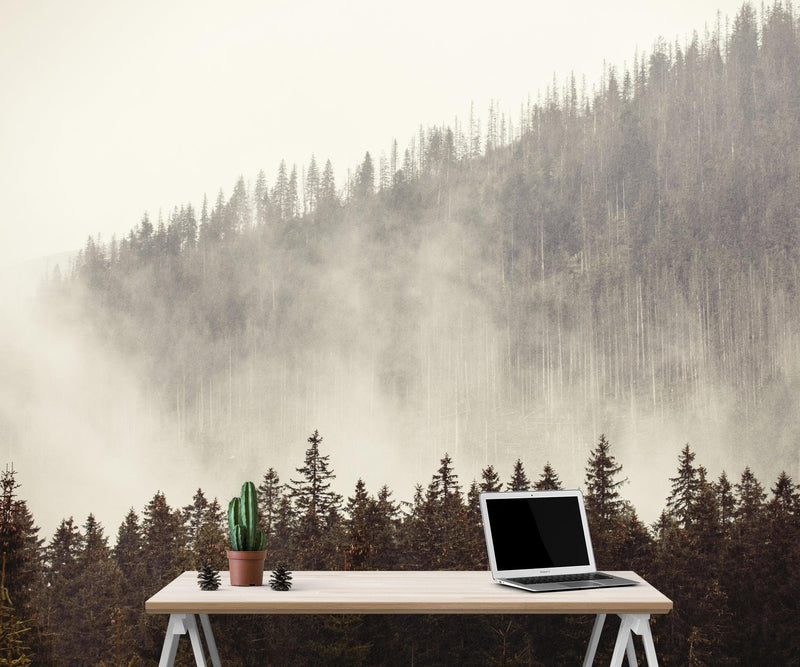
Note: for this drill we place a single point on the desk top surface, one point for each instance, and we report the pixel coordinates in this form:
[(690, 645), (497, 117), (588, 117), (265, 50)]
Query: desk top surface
[(401, 592)]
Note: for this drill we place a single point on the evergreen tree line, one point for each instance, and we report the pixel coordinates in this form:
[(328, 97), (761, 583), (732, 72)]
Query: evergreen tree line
[(725, 552), (628, 250)]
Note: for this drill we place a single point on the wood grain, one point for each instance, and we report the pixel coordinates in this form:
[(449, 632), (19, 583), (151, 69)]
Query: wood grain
[(385, 592)]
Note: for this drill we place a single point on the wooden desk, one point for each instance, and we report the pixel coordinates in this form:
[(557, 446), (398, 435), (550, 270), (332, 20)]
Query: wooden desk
[(406, 592)]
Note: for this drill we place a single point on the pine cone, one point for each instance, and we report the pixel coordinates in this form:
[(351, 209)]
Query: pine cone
[(208, 578), (281, 579)]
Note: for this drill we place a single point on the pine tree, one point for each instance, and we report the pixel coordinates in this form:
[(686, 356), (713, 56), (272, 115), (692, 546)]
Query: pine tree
[(160, 239), (14, 633), (327, 187), (194, 516), (261, 197), (603, 502), (426, 528), (239, 215), (315, 504), (128, 549), (359, 511), (439, 527), (174, 240), (444, 493), (619, 539), (20, 543), (213, 536), (385, 541), (750, 497), (490, 480), (22, 583), (164, 539), (283, 542), (313, 492), (312, 186), (445, 481), (217, 221), (67, 569), (269, 495), (205, 234), (685, 488), (280, 191), (95, 544), (725, 500), (745, 554), (365, 179), (128, 555), (144, 237), (519, 479), (785, 497), (475, 544), (82, 600), (292, 190), (549, 481), (189, 228), (781, 571), (702, 520), (62, 552), (384, 176)]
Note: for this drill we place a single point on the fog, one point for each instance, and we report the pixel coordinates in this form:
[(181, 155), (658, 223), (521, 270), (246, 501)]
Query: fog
[(393, 375), (77, 425)]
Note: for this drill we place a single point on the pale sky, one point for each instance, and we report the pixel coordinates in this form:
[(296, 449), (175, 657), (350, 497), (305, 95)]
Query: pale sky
[(110, 109)]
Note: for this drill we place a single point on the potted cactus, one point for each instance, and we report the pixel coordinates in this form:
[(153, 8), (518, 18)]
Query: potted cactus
[(247, 554)]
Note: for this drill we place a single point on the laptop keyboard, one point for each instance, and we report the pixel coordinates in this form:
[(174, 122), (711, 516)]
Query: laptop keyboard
[(560, 577)]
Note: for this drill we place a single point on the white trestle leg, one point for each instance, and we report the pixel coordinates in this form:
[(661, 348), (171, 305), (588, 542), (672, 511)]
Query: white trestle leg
[(631, 624), (181, 624), (212, 644), (594, 640)]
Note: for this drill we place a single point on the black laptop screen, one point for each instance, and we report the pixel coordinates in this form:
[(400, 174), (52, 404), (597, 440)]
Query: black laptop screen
[(537, 533)]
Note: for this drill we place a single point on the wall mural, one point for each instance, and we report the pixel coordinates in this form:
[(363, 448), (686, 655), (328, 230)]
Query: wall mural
[(598, 289)]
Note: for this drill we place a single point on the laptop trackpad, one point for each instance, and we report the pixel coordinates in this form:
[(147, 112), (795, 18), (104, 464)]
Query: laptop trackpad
[(579, 584)]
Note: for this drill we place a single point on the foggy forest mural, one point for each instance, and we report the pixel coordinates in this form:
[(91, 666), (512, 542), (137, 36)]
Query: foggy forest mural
[(606, 280)]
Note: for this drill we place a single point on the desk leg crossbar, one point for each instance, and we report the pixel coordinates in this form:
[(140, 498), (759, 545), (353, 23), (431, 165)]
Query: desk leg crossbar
[(181, 624), (631, 624)]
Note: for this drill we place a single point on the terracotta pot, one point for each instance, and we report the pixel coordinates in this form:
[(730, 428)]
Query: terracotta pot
[(246, 567)]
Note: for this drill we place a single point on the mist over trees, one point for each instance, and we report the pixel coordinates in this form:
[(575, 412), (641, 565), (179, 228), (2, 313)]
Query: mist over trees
[(626, 254)]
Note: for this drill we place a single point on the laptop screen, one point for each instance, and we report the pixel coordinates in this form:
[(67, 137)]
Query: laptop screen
[(534, 533)]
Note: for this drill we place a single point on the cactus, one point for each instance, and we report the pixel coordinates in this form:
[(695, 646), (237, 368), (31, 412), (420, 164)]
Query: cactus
[(243, 521)]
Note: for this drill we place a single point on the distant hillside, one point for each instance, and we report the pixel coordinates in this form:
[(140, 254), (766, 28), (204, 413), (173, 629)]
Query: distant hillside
[(621, 258)]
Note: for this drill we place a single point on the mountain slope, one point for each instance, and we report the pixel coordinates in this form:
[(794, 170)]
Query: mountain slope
[(625, 261)]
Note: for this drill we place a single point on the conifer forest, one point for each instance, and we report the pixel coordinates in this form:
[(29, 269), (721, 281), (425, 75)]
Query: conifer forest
[(538, 299)]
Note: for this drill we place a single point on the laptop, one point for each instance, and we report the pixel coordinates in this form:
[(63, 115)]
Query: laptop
[(539, 541)]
